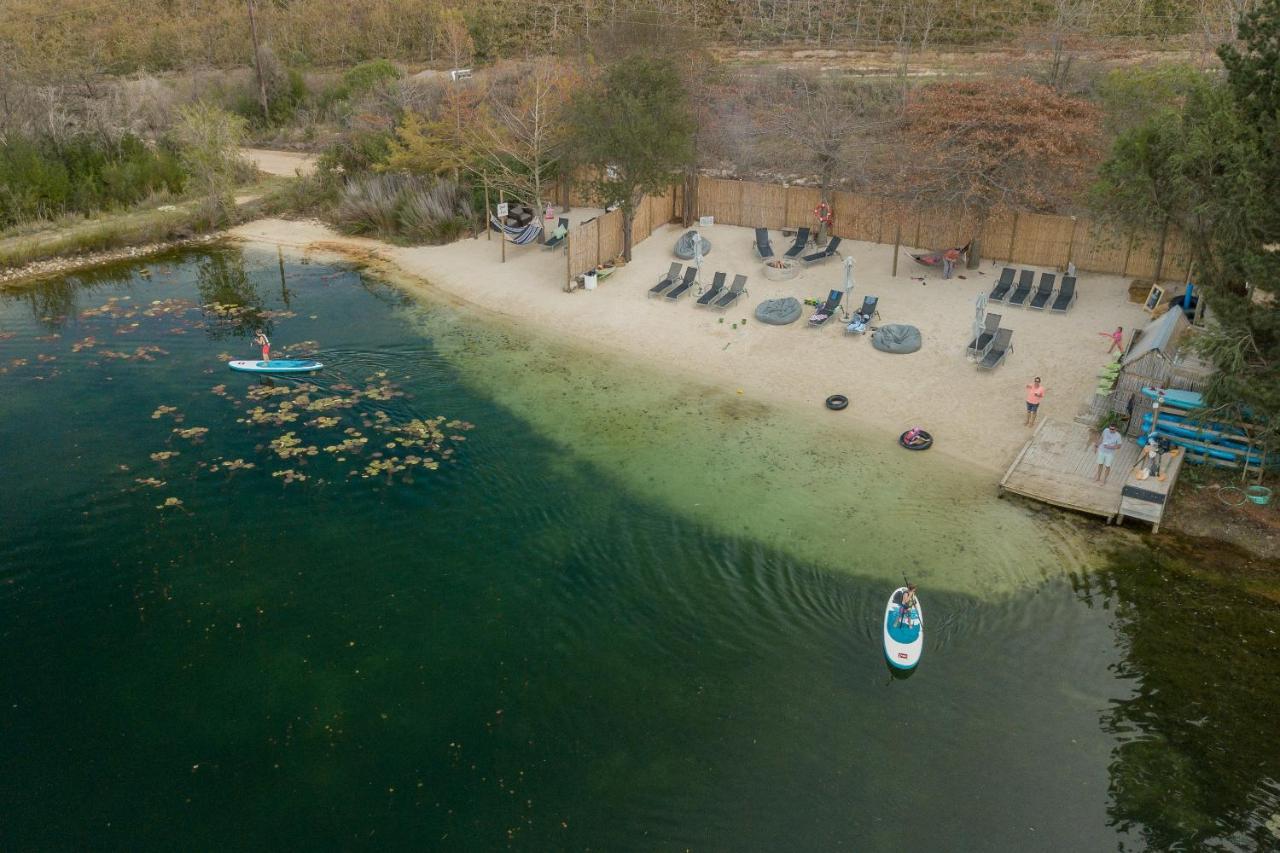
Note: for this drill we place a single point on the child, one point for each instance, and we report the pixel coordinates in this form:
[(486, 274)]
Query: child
[(262, 341), (1117, 339)]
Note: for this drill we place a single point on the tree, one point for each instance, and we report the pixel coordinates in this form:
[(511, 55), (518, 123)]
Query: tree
[(516, 139), (634, 131), (423, 147), (209, 140), (1000, 143)]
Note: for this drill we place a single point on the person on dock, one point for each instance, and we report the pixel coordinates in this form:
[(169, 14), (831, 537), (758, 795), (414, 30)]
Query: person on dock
[(261, 340), (904, 607), (1035, 394), (1107, 445), (1117, 339)]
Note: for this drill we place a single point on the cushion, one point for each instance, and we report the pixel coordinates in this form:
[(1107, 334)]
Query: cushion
[(895, 338), (779, 312)]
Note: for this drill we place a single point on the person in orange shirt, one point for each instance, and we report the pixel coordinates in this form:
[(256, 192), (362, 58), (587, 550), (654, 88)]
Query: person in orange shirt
[(1035, 393)]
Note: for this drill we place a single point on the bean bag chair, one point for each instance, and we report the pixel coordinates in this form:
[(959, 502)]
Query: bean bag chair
[(684, 246), (779, 312), (899, 339)]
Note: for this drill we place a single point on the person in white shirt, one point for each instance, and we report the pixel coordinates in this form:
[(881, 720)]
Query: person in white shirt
[(1107, 445)]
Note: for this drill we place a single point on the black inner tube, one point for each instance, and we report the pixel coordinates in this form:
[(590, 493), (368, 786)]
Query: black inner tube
[(836, 402), (924, 445)]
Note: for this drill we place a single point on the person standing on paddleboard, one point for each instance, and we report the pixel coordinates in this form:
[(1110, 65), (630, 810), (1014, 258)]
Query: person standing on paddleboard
[(262, 341), (908, 602)]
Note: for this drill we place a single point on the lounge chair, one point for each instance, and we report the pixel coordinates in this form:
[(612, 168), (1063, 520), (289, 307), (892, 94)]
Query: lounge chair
[(1044, 292), (716, 288), (863, 316), (978, 346), (553, 241), (690, 274), (1000, 347), (1066, 295), (736, 289), (1003, 286), (667, 280), (826, 309), (1026, 279), (763, 249), (818, 257), (802, 240)]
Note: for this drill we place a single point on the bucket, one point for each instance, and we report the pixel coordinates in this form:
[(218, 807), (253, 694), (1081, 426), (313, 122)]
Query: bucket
[(1260, 495), (589, 280)]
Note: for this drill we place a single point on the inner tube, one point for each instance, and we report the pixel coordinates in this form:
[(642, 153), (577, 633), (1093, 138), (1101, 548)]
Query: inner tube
[(836, 402), (924, 445)]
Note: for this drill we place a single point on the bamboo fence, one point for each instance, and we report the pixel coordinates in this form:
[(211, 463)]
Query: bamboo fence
[(600, 239), (1034, 239)]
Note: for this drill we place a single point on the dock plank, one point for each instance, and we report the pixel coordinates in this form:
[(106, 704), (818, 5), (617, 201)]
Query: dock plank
[(1057, 467)]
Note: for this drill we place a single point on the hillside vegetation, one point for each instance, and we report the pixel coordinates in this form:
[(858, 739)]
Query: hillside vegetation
[(64, 36)]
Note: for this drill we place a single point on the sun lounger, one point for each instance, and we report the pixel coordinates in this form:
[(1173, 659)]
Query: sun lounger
[(826, 309), (1066, 295), (1000, 347), (863, 316), (1044, 292), (667, 280), (736, 289), (802, 240), (818, 257), (1003, 286), (978, 346), (763, 249), (690, 274), (716, 288), (1026, 279), (554, 241)]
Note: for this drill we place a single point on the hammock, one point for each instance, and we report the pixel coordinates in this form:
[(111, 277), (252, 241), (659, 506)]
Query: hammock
[(519, 236), (934, 259)]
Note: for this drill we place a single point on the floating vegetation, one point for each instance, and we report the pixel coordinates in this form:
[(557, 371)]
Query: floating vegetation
[(262, 392), (45, 358), (168, 307), (289, 445), (168, 502), (85, 343), (289, 475), (161, 411), (164, 455), (143, 353), (192, 433), (261, 415), (149, 481), (127, 329), (323, 422), (220, 390)]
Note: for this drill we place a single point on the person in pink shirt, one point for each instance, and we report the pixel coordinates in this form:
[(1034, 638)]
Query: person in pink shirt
[(1117, 339), (1035, 393)]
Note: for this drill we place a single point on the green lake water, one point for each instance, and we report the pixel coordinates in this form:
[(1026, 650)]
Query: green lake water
[(586, 607)]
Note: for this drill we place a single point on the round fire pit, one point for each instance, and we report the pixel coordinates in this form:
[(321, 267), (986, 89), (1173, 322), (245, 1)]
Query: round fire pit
[(781, 269)]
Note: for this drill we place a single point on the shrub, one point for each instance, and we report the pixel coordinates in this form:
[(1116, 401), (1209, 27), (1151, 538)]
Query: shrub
[(407, 207), (366, 76)]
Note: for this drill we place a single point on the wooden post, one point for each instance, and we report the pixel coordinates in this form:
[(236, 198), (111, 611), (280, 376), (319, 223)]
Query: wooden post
[(487, 227), (502, 235), (1071, 245), (897, 244), (1127, 253), (1013, 235), (568, 262)]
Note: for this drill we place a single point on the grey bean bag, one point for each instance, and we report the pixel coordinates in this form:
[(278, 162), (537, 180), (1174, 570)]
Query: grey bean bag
[(901, 339), (684, 246), (779, 312)]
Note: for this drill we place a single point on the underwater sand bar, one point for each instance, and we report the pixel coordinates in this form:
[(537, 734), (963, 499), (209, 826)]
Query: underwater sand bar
[(974, 415)]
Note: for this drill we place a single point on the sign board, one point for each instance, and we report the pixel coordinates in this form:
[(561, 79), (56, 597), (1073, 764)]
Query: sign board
[(1154, 298), (503, 208), (706, 220)]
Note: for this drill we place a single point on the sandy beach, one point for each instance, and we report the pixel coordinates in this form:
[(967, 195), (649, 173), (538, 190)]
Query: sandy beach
[(975, 415)]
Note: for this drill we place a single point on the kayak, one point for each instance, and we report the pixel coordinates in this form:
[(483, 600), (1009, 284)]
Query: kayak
[(1176, 398), (903, 643), (276, 365)]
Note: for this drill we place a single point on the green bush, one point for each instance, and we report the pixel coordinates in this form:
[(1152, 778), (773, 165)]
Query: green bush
[(43, 178), (366, 76)]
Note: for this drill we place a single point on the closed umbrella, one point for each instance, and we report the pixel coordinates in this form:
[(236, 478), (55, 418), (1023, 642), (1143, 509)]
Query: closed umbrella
[(979, 316), (848, 284), (697, 258)]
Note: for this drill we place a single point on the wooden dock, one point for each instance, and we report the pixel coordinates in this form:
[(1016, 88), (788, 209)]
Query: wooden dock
[(1057, 465)]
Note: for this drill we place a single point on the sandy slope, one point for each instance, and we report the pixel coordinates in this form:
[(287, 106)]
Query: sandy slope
[(975, 415), (287, 163)]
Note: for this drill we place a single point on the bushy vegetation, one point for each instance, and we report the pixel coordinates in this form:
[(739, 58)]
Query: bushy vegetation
[(400, 206), (44, 178)]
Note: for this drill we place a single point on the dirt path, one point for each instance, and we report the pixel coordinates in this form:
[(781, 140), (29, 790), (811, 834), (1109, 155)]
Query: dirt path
[(285, 163)]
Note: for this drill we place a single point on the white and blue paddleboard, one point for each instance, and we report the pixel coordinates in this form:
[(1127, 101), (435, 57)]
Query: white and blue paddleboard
[(276, 365), (904, 642)]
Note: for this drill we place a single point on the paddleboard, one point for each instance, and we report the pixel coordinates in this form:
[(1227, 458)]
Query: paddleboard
[(276, 365), (1176, 399), (903, 643)]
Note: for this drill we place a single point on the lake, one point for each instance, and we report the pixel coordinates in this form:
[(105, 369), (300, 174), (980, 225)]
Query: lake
[(467, 588)]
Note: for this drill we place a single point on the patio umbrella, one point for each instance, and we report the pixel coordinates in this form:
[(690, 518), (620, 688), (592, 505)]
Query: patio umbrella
[(697, 258), (848, 283), (979, 315)]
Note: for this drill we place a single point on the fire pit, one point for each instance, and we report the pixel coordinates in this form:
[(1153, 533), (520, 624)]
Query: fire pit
[(781, 269)]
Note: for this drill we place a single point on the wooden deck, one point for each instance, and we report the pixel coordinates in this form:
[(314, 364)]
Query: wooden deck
[(1057, 464), (1146, 499)]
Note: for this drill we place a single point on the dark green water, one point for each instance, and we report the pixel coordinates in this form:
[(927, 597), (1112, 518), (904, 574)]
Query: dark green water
[(517, 649)]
